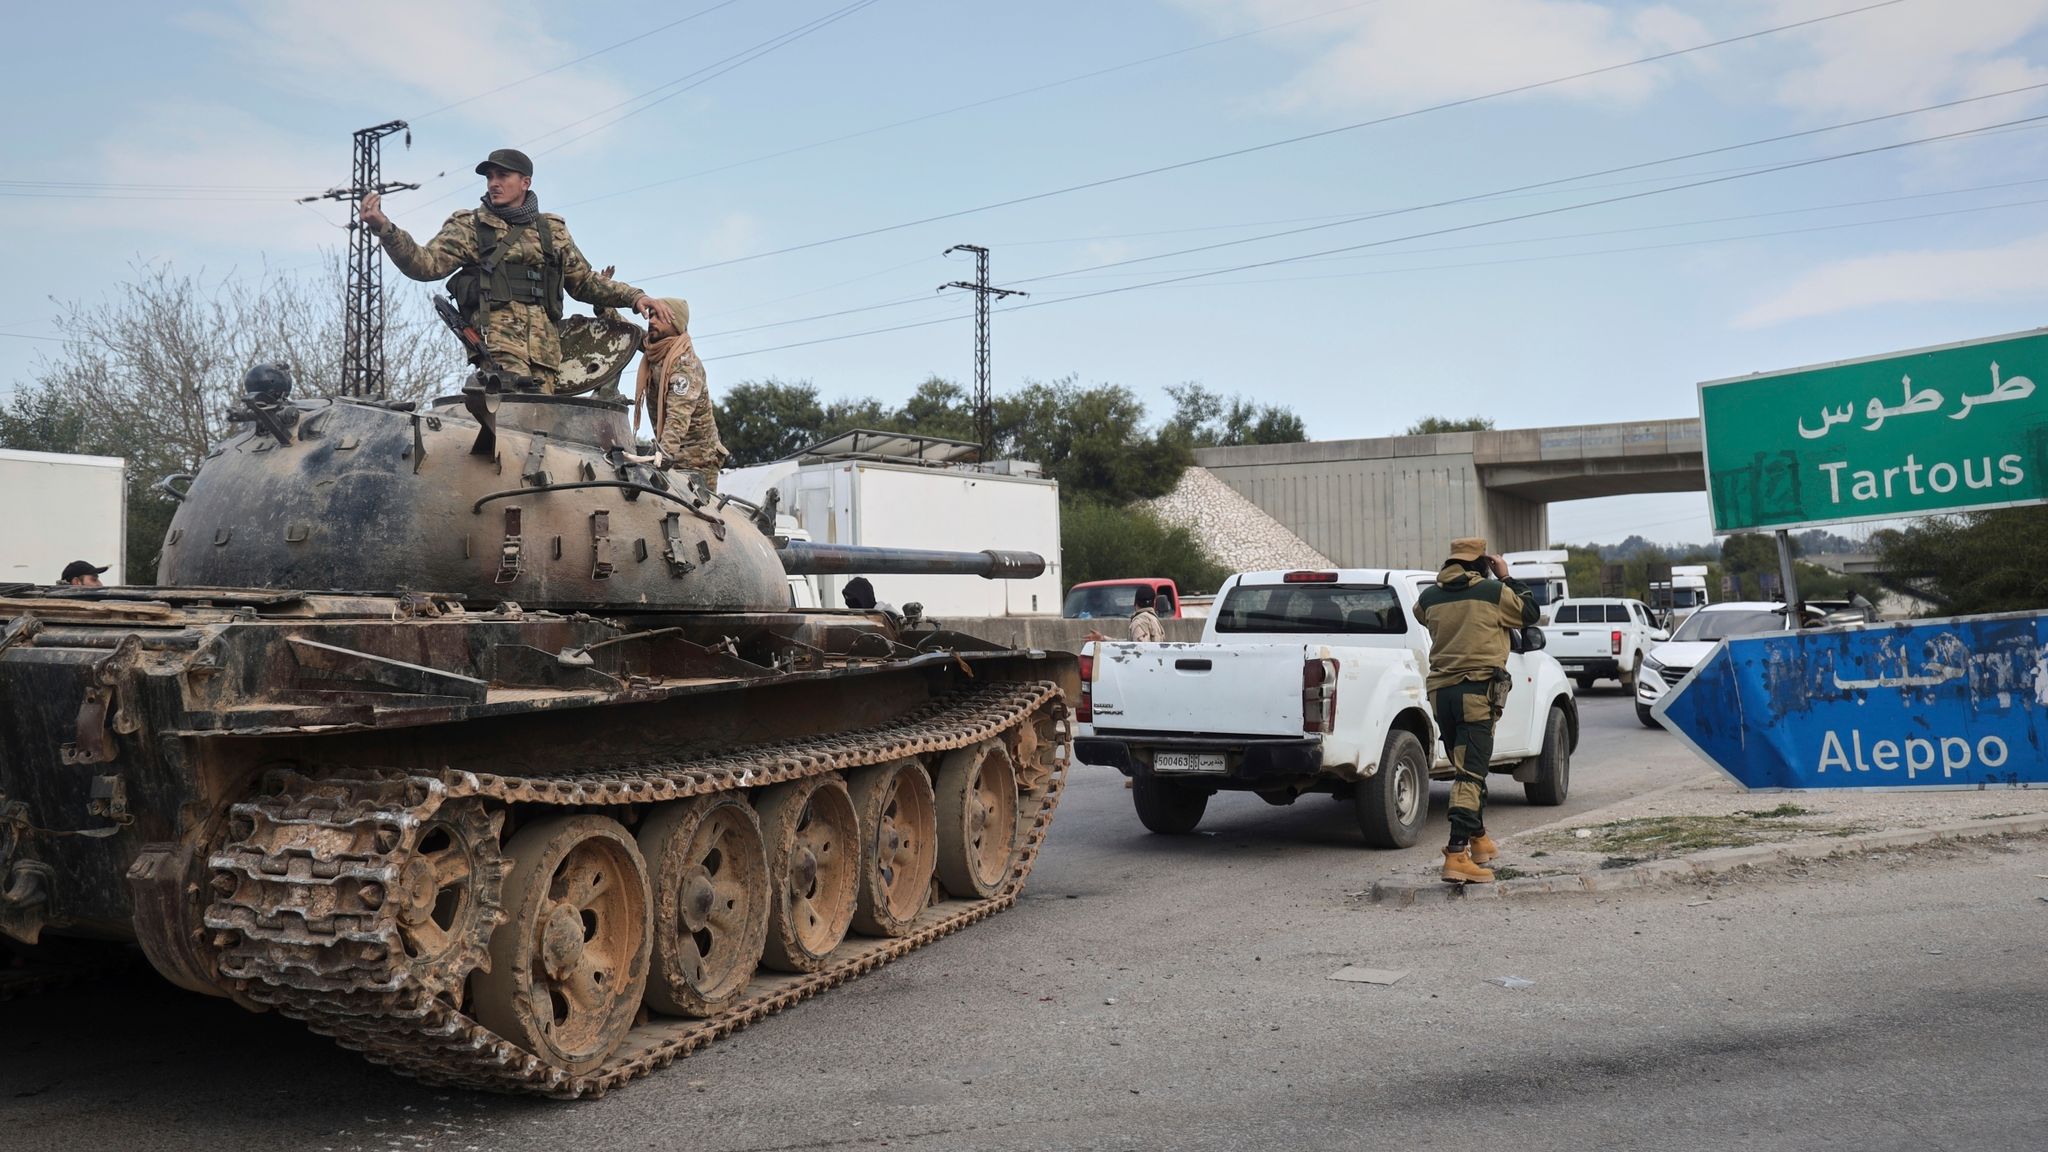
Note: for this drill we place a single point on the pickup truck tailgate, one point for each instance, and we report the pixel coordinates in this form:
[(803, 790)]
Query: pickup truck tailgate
[(1196, 689)]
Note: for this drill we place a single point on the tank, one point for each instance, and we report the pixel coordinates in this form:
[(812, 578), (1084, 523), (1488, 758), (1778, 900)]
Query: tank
[(474, 742)]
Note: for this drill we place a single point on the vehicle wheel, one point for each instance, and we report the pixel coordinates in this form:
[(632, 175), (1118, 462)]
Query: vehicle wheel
[(569, 963), (1394, 803), (710, 902), (1167, 808), (1643, 714), (1553, 780), (1585, 682), (976, 795), (899, 846), (814, 870), (1634, 670)]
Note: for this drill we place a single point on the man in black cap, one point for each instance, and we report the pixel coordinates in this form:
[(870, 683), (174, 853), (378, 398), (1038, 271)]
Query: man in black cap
[(81, 574), (511, 263)]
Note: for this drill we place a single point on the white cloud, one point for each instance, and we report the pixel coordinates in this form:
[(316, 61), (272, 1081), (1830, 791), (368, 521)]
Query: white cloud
[(1908, 55), (414, 58), (2019, 269), (1409, 52), (257, 168)]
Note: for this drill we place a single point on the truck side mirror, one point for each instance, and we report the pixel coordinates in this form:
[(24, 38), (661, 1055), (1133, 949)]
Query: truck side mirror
[(1533, 639)]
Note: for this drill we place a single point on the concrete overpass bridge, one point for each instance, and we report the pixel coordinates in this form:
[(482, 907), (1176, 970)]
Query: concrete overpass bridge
[(1397, 500)]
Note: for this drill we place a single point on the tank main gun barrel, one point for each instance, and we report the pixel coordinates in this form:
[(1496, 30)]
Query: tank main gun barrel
[(808, 558)]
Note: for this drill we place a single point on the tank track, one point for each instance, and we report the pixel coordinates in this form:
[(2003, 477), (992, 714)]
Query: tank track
[(297, 934)]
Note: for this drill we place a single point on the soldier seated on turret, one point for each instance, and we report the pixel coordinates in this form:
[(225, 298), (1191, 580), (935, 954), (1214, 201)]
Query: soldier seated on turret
[(511, 263), (674, 392)]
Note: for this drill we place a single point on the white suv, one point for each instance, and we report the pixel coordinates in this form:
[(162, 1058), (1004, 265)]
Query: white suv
[(1668, 663)]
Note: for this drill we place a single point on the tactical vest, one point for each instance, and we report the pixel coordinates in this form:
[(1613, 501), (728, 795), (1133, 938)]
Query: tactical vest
[(491, 283)]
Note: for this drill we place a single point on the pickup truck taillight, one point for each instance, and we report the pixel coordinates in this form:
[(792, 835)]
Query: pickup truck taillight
[(1319, 696), (1614, 638), (1084, 713)]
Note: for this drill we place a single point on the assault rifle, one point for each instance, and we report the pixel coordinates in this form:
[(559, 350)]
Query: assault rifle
[(480, 392)]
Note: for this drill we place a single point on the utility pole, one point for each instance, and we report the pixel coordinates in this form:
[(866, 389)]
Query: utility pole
[(362, 354), (984, 401)]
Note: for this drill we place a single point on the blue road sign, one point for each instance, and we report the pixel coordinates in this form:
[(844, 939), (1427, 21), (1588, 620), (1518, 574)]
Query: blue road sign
[(1952, 703)]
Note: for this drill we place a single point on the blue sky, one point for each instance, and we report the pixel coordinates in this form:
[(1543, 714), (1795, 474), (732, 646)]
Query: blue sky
[(1608, 312)]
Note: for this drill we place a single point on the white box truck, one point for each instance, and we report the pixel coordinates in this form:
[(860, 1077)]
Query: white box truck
[(907, 505), (56, 508)]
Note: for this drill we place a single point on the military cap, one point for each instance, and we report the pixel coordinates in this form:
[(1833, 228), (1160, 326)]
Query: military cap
[(1468, 548), (510, 159), (77, 568)]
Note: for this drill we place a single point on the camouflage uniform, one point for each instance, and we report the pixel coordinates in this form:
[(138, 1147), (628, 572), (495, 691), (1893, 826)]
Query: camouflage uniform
[(689, 431), (1145, 627), (520, 336), (1469, 617)]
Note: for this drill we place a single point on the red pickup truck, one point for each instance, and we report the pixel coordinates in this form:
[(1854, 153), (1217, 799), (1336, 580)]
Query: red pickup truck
[(1099, 599)]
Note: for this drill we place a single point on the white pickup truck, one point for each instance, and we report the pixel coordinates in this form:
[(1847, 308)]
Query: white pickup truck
[(1308, 681), (1602, 638)]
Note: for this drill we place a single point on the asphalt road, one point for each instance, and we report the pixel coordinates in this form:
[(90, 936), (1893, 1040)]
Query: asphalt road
[(1172, 993)]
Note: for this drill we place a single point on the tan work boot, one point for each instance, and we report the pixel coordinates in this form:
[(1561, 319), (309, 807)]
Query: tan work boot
[(1484, 849), (1459, 868)]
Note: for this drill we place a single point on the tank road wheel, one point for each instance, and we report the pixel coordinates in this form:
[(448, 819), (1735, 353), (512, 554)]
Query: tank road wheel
[(570, 962), (976, 792), (813, 869), (710, 903), (450, 892), (899, 845)]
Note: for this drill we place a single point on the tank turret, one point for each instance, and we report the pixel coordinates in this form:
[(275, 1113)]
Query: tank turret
[(528, 498)]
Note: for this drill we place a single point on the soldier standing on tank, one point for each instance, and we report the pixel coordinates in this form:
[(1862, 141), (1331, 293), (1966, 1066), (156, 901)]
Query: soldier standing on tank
[(676, 396), (1470, 612), (510, 262)]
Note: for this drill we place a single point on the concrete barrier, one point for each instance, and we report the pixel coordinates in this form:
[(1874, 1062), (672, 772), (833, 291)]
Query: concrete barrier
[(1056, 634)]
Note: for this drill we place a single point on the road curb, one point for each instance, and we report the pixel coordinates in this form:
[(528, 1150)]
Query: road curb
[(1406, 892)]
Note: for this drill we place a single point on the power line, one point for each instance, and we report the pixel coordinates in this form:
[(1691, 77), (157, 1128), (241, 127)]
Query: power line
[(1553, 211), (104, 185), (580, 59), (1555, 184), (1773, 234), (1271, 144), (1553, 238), (737, 59), (1541, 184), (982, 103), (688, 81)]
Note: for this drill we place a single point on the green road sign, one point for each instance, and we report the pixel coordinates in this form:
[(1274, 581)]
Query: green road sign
[(1944, 429)]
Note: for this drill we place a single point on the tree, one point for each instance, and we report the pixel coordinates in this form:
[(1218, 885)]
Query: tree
[(1100, 541), (150, 372), (766, 420), (940, 408), (1431, 425), (1975, 562), (1748, 557), (1206, 419), (1092, 440)]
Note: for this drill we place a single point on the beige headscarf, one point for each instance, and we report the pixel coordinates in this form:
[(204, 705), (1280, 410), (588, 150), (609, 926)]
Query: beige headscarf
[(658, 362)]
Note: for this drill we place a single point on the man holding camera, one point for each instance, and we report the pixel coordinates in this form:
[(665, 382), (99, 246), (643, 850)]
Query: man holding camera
[(1470, 612)]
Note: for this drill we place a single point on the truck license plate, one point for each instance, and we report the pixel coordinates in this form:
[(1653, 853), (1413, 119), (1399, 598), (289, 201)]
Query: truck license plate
[(1187, 762)]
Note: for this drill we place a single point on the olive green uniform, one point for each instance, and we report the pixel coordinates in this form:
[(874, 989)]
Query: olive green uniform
[(1469, 617), (524, 296), (689, 429)]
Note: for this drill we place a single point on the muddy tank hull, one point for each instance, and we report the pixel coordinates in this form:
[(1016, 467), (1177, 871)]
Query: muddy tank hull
[(337, 806)]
